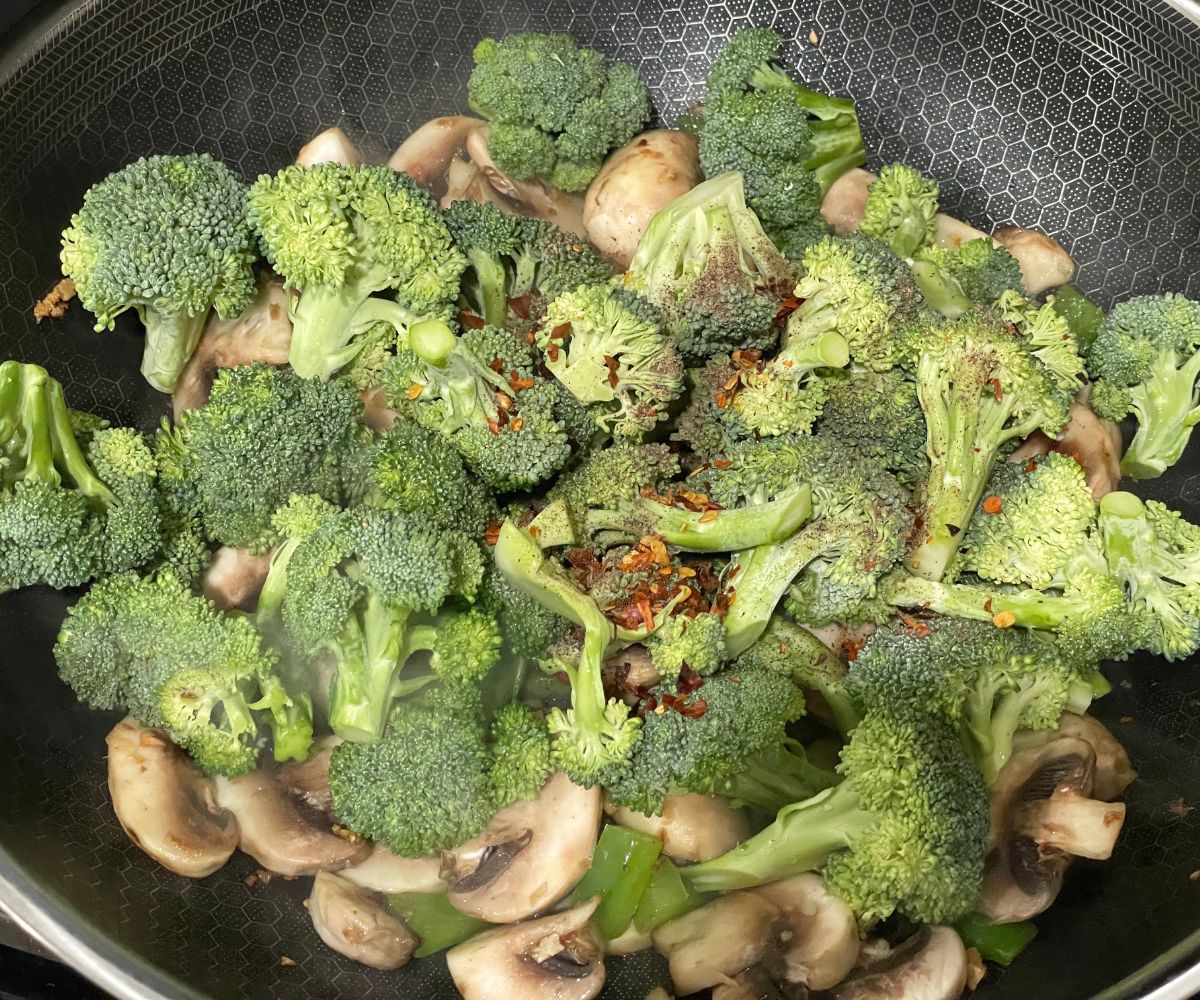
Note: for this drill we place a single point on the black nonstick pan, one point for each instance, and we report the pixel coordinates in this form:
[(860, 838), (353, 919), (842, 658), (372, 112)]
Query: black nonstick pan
[(1079, 117)]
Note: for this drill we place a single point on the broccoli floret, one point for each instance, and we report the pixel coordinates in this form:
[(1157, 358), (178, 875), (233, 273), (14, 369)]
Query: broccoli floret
[(481, 392), (166, 236), (710, 741), (1146, 361), (371, 586), (186, 550), (515, 265), (595, 736), (555, 108), (172, 659), (705, 261), (425, 786), (264, 434), (529, 629), (978, 272), (419, 472), (615, 475), (68, 514), (1035, 517), (343, 238), (521, 754), (607, 347), (902, 205), (905, 831), (1155, 554), (990, 681), (980, 388), (793, 651), (833, 564), (790, 143), (858, 288), (877, 415), (681, 641)]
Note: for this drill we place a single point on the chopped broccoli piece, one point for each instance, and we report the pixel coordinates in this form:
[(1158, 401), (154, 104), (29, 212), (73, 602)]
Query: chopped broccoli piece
[(682, 641), (901, 208), (522, 760)]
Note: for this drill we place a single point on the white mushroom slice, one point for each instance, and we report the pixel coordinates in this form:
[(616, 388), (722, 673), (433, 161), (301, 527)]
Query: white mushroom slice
[(931, 965), (691, 827), (308, 780), (330, 146), (630, 669), (467, 182), (952, 233), (559, 957), (276, 833), (263, 332), (713, 944), (357, 923), (1044, 263), (235, 578), (529, 857), (820, 944), (646, 174), (1095, 443), (426, 154), (531, 197), (845, 203), (165, 804), (389, 873), (1114, 772)]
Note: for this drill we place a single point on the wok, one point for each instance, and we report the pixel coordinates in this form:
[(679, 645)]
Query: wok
[(1079, 117)]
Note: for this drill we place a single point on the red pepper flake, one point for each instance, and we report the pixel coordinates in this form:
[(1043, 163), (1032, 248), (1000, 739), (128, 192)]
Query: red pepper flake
[(723, 399), (504, 401), (644, 609), (520, 305), (709, 516), (496, 365), (552, 352), (1031, 465), (415, 390), (516, 423), (993, 505), (613, 367), (987, 605), (692, 709), (517, 383), (470, 320), (529, 337), (491, 534), (493, 427), (721, 463), (689, 681), (561, 332), (852, 647), (996, 390)]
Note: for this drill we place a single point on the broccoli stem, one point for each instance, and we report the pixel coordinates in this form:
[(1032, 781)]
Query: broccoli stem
[(774, 778), (1166, 409), (368, 655), (290, 720), (802, 837), (171, 340), (836, 146), (994, 724), (710, 531), (940, 290), (491, 275), (1031, 608), (763, 576)]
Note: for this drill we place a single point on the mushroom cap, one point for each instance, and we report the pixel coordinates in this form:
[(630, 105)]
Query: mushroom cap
[(308, 780), (356, 923), (952, 233), (930, 965), (691, 827), (235, 578), (635, 182), (1114, 772), (279, 833), (389, 873), (629, 942), (165, 804), (427, 153), (558, 957), (330, 146), (845, 203), (1044, 263), (528, 857), (820, 944)]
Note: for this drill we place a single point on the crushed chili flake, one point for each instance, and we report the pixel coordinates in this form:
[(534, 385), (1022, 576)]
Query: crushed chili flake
[(692, 709), (1031, 465), (561, 332), (852, 647), (504, 401), (493, 426), (534, 531), (996, 390), (1004, 619), (517, 383), (496, 364), (470, 320), (415, 390), (689, 681), (993, 505), (722, 399), (721, 463), (552, 352), (987, 605), (613, 367), (520, 305), (709, 516), (491, 534), (517, 423)]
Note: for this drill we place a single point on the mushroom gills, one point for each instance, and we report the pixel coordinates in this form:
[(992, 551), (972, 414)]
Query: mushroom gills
[(165, 805), (930, 965), (557, 957), (357, 923), (489, 864)]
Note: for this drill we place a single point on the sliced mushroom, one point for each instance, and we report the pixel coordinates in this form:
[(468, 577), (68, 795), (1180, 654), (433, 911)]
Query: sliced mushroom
[(819, 944), (308, 780), (377, 412), (277, 831), (930, 965), (330, 146), (691, 827), (646, 174), (263, 332), (1044, 263), (1095, 443), (1041, 817), (467, 182), (165, 804), (1114, 772), (559, 957), (356, 922), (630, 669), (427, 153), (845, 203), (389, 873), (719, 940), (952, 233), (530, 855), (235, 578)]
